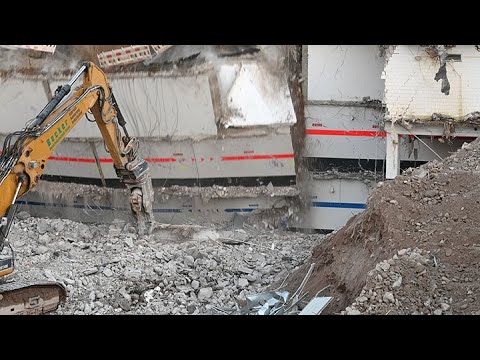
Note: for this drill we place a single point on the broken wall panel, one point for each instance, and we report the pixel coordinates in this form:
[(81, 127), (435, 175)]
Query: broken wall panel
[(353, 132), (264, 156), (93, 204), (173, 107), (411, 91), (344, 73), (248, 156), (254, 96), (339, 133), (174, 111), (153, 107)]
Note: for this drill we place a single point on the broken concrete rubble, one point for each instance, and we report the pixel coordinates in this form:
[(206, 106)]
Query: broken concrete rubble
[(192, 275), (215, 191)]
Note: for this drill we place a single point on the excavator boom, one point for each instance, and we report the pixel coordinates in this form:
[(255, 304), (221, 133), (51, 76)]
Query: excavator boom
[(26, 152)]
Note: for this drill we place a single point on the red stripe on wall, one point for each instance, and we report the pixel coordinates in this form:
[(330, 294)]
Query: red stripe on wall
[(106, 160), (80, 160), (367, 133), (257, 157), (172, 159), (160, 160)]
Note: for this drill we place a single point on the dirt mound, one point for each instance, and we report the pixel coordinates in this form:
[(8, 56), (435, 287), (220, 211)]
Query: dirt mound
[(436, 209)]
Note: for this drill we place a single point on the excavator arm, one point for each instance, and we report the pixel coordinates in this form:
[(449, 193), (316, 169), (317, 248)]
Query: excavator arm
[(25, 153)]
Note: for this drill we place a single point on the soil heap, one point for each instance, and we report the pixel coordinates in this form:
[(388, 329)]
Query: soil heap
[(414, 250)]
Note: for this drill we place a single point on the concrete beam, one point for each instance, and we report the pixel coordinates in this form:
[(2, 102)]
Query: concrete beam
[(394, 130), (461, 130), (363, 104)]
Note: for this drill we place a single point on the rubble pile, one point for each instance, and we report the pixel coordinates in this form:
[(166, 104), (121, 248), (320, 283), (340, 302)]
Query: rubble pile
[(205, 193), (414, 250), (218, 192), (183, 269), (411, 282)]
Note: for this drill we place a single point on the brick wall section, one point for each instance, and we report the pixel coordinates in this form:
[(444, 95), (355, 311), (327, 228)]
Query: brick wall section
[(412, 92)]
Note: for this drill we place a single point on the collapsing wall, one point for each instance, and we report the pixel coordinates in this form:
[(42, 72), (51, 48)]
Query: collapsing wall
[(228, 118), (205, 115), (175, 205)]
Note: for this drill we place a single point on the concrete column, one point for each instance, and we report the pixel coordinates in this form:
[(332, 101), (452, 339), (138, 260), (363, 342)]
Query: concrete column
[(392, 166)]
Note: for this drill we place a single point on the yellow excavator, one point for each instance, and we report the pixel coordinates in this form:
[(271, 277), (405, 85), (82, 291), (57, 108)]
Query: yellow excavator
[(23, 159)]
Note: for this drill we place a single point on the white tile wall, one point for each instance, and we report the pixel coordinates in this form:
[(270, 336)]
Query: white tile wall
[(412, 92)]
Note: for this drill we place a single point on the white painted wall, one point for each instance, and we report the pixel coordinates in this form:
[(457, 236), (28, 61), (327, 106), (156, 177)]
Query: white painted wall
[(253, 96), (191, 159), (159, 107), (179, 107), (20, 101), (153, 106), (412, 92), (333, 203), (327, 117), (344, 72)]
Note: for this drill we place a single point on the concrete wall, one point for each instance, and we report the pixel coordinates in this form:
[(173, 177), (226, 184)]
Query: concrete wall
[(20, 101), (344, 72), (350, 132), (411, 91), (264, 156), (340, 125), (355, 132), (176, 120), (155, 106), (333, 202), (252, 95), (337, 74), (89, 204), (193, 123)]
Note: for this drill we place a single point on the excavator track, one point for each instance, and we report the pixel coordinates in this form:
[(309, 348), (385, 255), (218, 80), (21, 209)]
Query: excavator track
[(33, 298)]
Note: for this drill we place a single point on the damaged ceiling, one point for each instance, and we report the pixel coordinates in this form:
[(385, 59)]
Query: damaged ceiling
[(201, 53)]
